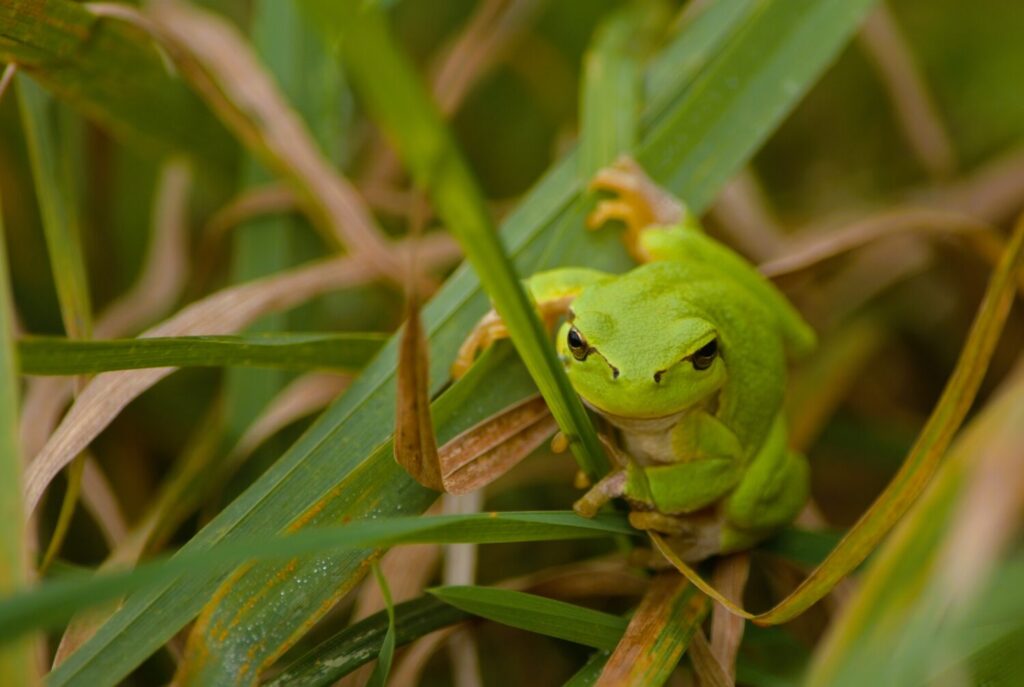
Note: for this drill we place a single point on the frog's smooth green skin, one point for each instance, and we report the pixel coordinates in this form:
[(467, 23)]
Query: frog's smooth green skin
[(686, 357)]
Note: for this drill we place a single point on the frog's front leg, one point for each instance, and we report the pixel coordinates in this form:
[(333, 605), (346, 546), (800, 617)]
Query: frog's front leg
[(639, 203), (552, 293)]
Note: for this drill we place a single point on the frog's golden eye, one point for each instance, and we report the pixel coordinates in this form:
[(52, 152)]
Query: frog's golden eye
[(705, 355), (577, 344)]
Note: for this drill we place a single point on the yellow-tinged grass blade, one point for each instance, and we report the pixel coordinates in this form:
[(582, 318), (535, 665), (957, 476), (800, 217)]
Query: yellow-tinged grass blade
[(919, 466), (657, 635), (415, 445), (925, 560), (16, 658)]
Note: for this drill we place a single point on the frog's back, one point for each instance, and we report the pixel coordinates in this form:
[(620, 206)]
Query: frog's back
[(691, 247), (751, 342)]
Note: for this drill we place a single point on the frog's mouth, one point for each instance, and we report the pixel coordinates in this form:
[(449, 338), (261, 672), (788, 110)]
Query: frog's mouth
[(632, 423)]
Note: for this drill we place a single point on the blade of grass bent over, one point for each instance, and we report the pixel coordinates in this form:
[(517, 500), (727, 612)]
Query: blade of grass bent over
[(16, 658), (908, 573), (295, 351), (919, 465), (340, 453)]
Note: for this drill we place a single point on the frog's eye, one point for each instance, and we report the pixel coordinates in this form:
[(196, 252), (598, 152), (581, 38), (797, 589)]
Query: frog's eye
[(705, 355), (577, 344)]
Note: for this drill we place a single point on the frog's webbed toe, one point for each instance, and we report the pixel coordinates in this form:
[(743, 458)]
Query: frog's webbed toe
[(639, 203), (692, 537)]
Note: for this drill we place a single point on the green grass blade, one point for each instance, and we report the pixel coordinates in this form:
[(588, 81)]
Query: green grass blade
[(54, 601), (781, 49), (116, 78), (591, 670), (340, 455), (682, 60), (358, 644), (16, 658), (379, 676), (57, 356), (538, 614), (50, 157), (610, 102), (402, 106)]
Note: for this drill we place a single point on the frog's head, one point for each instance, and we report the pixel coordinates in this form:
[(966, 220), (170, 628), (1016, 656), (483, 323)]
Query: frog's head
[(640, 353)]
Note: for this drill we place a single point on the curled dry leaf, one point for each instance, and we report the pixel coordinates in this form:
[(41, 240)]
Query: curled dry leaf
[(415, 445), (216, 59), (224, 312), (488, 450)]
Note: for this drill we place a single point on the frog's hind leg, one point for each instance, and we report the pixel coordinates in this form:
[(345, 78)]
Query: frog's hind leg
[(639, 203), (773, 491)]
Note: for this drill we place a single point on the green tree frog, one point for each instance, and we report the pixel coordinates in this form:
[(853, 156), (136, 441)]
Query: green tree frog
[(685, 358)]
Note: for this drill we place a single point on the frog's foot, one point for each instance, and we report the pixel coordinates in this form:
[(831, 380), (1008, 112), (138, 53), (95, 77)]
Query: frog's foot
[(607, 488), (692, 537), (491, 328), (639, 203)]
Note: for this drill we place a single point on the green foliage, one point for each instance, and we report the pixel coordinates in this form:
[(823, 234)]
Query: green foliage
[(408, 121)]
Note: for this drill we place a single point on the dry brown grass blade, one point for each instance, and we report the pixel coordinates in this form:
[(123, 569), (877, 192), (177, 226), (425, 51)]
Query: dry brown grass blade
[(706, 665), (730, 577), (303, 396), (100, 500), (415, 445), (490, 32), (488, 450), (746, 219), (817, 247), (218, 62), (915, 110), (652, 644), (224, 312), (158, 287)]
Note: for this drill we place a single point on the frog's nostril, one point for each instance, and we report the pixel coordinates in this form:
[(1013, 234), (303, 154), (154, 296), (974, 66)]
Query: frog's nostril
[(615, 372), (657, 376)]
